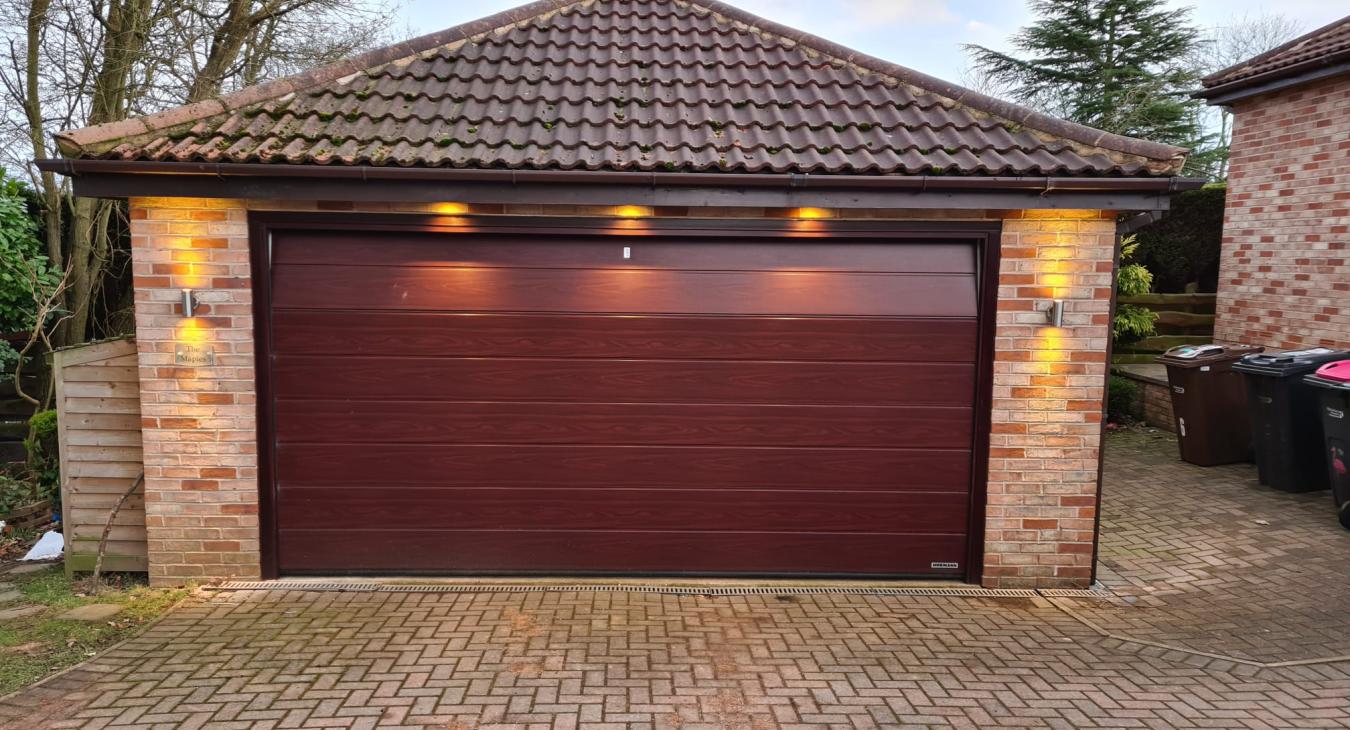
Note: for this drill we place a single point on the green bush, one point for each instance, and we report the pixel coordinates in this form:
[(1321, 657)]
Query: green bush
[(1122, 396), (44, 460), (15, 493), (1182, 249), (25, 274), (1132, 322)]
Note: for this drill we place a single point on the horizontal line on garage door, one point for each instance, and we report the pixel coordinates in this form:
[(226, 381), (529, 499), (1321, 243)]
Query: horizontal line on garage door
[(535, 358), (651, 446), (639, 269), (436, 487), (578, 403), (627, 315), (671, 488), (448, 530)]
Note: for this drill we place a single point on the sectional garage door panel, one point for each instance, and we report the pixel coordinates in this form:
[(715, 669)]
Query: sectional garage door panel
[(631, 424), (619, 551), (476, 403), (309, 462), (318, 332)]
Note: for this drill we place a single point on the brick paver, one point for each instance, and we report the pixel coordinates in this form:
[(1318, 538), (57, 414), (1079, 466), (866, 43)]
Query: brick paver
[(1215, 562), (637, 660)]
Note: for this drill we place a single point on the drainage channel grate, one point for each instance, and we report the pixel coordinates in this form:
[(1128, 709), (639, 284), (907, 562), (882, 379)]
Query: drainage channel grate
[(1100, 594), (933, 591), (296, 585)]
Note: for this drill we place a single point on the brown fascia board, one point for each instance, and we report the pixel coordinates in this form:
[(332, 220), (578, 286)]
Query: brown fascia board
[(74, 142), (959, 94), (122, 179), (75, 168)]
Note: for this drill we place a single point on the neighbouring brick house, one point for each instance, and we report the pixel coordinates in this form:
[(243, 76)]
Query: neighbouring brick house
[(1285, 270), (601, 287)]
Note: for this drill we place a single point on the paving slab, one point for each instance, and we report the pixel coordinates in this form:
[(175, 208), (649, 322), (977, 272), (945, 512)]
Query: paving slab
[(92, 612), (25, 568), (9, 593), (1216, 562), (20, 612)]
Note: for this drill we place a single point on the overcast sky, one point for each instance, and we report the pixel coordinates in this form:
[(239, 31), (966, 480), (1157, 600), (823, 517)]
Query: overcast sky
[(925, 35)]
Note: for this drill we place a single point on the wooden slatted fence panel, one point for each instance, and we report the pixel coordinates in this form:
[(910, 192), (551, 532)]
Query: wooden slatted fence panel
[(99, 426)]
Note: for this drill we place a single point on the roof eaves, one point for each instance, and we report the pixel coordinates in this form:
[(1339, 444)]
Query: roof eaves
[(1171, 155), (100, 137), (1218, 78), (1279, 78)]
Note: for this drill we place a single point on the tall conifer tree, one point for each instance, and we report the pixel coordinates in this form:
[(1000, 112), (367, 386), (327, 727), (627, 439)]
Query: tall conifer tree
[(1117, 65)]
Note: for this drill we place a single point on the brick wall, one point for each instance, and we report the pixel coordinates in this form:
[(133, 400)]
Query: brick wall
[(1048, 399), (1157, 401), (1152, 399), (201, 456), (1285, 272), (200, 444)]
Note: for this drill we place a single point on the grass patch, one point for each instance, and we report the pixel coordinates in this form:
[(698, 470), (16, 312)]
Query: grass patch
[(32, 647)]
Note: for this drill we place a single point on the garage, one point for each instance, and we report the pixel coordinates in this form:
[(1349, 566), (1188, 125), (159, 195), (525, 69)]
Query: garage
[(621, 289), (544, 401)]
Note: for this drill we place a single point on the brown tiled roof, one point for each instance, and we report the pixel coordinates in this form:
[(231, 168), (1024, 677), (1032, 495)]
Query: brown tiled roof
[(1325, 46), (640, 85)]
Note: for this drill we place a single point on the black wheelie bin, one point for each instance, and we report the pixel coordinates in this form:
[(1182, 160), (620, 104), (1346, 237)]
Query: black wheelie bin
[(1286, 428)]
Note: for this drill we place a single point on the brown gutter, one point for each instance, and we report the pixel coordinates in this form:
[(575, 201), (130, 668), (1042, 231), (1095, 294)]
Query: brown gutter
[(916, 183)]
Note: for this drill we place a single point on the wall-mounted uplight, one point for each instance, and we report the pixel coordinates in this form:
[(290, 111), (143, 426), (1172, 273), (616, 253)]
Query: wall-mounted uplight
[(1054, 314), (190, 303)]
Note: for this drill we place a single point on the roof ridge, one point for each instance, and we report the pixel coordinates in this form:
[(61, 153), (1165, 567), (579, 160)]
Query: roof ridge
[(957, 94), (72, 142), (1212, 79)]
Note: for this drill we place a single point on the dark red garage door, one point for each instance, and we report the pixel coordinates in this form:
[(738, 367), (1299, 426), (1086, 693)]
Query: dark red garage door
[(458, 403)]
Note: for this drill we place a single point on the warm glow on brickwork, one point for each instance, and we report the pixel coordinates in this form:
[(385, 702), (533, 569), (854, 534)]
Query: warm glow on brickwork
[(200, 439), (1048, 398)]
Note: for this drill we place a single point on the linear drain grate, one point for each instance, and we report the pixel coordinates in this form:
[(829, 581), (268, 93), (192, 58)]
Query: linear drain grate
[(297, 585), (434, 588), (1100, 594), (928, 591)]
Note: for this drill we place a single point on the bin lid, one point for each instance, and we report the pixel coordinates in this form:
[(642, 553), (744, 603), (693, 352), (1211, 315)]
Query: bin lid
[(1332, 375), (1290, 363), (1194, 356)]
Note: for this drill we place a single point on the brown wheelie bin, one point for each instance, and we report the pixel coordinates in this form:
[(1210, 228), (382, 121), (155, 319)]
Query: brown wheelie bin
[(1209, 403)]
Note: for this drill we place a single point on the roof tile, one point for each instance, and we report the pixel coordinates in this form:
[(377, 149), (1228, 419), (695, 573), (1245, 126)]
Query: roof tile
[(1324, 44), (651, 85)]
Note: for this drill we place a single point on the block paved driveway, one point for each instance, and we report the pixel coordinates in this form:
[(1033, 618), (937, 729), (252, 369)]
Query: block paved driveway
[(1189, 576)]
